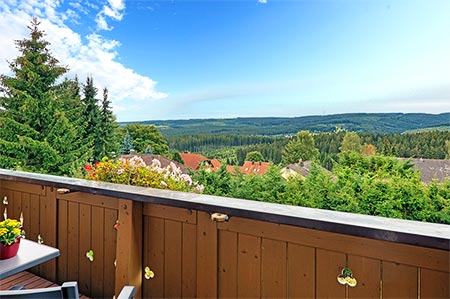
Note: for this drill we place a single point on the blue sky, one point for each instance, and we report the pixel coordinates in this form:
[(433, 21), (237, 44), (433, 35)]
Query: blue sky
[(204, 59)]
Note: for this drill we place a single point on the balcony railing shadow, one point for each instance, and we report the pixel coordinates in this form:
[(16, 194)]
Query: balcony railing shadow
[(261, 250)]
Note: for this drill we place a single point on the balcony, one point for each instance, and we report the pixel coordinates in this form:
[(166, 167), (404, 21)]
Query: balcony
[(263, 250)]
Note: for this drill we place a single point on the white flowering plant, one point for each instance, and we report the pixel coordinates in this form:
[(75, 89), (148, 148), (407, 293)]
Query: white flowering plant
[(135, 172)]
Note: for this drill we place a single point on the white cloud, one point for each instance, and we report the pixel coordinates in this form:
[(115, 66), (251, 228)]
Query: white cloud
[(89, 55), (111, 10), (262, 1)]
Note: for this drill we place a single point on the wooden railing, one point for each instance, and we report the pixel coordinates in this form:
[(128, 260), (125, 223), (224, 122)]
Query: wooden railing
[(263, 250)]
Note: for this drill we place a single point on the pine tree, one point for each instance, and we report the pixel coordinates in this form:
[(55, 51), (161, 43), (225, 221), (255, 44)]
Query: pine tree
[(92, 117), (127, 144), (34, 105), (107, 127)]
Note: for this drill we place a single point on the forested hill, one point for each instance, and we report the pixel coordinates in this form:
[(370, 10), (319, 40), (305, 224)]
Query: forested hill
[(358, 122)]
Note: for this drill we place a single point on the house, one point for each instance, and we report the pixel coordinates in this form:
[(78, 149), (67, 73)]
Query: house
[(148, 160), (251, 167), (431, 169), (198, 161), (301, 168)]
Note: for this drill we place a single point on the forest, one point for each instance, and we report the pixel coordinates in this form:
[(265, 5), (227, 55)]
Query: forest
[(58, 125), (281, 126)]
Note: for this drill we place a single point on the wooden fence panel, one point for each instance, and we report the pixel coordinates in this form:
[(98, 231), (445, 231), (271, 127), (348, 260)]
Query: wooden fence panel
[(249, 266), (434, 284), (83, 227), (172, 259), (399, 281), (328, 266), (227, 263), (153, 257), (189, 259), (301, 271), (273, 269), (367, 273)]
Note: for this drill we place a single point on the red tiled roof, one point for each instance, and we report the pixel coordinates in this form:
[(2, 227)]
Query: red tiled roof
[(194, 161), (250, 167)]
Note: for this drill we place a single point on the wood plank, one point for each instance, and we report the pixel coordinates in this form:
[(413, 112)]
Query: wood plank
[(171, 213), (154, 256), (16, 205), (399, 281), (189, 267), (91, 199), (227, 277), (367, 273), (206, 256), (172, 259), (48, 226), (301, 271), (273, 269), (434, 284), (97, 245), (84, 244), (26, 210), (109, 274), (34, 220), (62, 241), (382, 250), (72, 242), (23, 187), (249, 266), (329, 265), (129, 246)]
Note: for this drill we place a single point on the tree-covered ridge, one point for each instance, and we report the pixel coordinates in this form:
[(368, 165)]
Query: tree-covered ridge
[(357, 122)]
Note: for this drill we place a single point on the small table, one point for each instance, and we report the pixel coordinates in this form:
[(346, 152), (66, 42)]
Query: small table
[(29, 255)]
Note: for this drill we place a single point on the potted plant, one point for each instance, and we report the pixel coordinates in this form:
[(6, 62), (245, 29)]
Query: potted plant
[(10, 234)]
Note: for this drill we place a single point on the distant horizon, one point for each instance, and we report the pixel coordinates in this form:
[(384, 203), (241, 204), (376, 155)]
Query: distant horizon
[(310, 115), (225, 59)]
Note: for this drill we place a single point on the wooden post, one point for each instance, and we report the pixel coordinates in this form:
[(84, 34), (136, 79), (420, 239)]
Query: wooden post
[(206, 256), (129, 246)]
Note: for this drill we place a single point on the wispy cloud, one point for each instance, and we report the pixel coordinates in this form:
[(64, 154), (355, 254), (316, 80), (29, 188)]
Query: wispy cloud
[(112, 10), (262, 1), (92, 54)]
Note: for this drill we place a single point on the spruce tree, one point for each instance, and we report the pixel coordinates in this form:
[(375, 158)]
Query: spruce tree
[(38, 134), (91, 115), (107, 126)]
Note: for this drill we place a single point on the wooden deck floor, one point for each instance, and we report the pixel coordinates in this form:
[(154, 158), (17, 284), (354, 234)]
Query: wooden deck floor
[(29, 280)]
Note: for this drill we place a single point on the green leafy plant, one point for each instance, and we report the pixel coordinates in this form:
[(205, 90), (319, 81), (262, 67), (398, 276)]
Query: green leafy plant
[(10, 231)]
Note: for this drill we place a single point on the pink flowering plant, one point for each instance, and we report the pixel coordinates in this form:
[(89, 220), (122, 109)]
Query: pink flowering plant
[(135, 172)]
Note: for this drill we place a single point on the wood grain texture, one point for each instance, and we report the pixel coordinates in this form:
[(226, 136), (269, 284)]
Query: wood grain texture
[(301, 271), (328, 266), (273, 269), (97, 246), (227, 263), (206, 256), (189, 260), (154, 256), (382, 250), (170, 213), (434, 284), (249, 266), (172, 259), (399, 281), (367, 273)]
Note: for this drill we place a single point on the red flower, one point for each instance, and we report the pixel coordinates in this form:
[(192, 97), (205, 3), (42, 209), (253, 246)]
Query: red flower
[(88, 168), (96, 164)]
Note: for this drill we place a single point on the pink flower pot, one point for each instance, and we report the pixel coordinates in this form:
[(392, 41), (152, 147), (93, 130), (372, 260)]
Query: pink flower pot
[(9, 251)]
